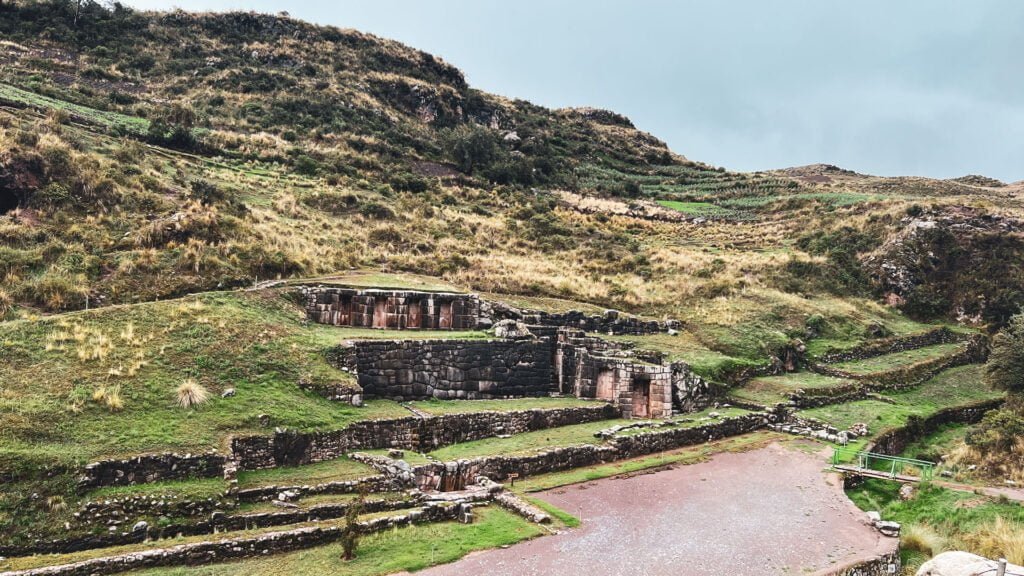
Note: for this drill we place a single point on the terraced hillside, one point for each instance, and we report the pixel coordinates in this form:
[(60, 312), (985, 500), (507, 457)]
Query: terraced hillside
[(168, 181)]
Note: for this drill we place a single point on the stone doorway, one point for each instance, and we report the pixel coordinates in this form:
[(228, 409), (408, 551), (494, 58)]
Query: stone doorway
[(640, 389), (606, 384)]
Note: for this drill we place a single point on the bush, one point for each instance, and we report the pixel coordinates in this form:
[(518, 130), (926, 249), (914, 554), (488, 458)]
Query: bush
[(376, 210), (471, 147), (1005, 368)]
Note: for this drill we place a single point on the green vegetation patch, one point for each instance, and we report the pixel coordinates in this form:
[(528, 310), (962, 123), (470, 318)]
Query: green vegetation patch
[(937, 519), (409, 549), (684, 347), (113, 120), (106, 382), (192, 489), (337, 470), (527, 442), (700, 209), (887, 362), (773, 390), (954, 387)]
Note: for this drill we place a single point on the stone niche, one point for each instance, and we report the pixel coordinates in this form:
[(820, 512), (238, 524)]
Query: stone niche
[(391, 309), (588, 367)]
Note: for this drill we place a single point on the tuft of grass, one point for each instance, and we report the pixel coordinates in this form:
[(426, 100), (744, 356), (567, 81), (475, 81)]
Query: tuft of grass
[(922, 538), (191, 394)]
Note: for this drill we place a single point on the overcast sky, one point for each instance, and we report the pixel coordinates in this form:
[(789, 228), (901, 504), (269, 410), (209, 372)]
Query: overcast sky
[(924, 87)]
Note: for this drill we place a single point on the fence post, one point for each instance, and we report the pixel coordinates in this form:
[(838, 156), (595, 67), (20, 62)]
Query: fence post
[(1002, 567)]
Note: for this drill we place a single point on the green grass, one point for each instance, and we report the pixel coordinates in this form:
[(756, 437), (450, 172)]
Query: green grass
[(256, 343), (563, 517), (527, 442), (192, 489), (772, 390), (114, 120), (705, 209), (955, 516), (440, 407), (954, 387), (682, 456), (683, 347), (404, 549), (339, 469), (938, 443), (896, 360)]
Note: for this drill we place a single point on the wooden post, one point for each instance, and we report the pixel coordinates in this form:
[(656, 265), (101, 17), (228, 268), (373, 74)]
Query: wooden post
[(1002, 567)]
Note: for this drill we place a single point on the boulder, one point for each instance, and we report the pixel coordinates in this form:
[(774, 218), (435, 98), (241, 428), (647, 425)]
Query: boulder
[(963, 564), (228, 393), (888, 528), (907, 491), (511, 329)]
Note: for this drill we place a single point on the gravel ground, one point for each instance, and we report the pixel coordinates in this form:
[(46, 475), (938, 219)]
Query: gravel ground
[(768, 511)]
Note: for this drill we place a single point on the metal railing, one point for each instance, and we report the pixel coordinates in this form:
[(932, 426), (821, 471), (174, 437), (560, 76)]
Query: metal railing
[(882, 464)]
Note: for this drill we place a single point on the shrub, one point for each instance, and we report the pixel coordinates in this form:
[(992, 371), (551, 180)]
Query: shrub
[(1005, 368), (376, 210), (191, 394), (470, 146)]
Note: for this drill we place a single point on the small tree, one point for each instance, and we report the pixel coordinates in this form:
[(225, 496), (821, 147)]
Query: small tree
[(350, 533), (471, 147), (1005, 368)]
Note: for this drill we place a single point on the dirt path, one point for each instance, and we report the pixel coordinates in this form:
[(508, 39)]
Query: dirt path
[(768, 511)]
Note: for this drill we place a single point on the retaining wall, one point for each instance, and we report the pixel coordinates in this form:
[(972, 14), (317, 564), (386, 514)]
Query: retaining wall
[(151, 468), (450, 369), (421, 434), (202, 553), (454, 475), (892, 345), (894, 442)]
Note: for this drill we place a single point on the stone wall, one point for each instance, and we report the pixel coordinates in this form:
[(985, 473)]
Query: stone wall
[(589, 367), (450, 369), (217, 523), (894, 442), (884, 565), (449, 476), (892, 345), (151, 468), (422, 434), (611, 322), (973, 350), (391, 309), (202, 553)]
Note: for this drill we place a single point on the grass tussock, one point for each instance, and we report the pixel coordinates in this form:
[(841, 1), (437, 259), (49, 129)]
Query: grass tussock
[(191, 394)]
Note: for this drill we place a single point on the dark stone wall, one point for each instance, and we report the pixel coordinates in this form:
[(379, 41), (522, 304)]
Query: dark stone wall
[(151, 468), (611, 322), (422, 434), (449, 476), (449, 369), (202, 553)]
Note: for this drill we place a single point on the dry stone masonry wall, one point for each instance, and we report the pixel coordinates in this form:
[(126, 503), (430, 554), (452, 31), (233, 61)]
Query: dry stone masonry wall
[(454, 369), (391, 309), (422, 434)]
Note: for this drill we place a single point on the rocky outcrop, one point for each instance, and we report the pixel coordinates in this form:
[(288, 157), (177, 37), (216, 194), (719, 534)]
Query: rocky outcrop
[(964, 564), (957, 261)]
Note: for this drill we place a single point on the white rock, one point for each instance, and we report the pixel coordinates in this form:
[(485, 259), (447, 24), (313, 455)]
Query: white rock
[(963, 564)]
